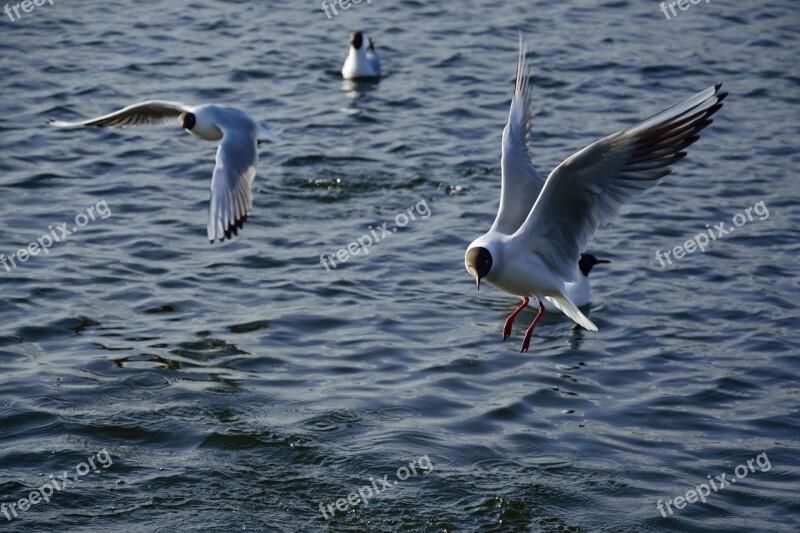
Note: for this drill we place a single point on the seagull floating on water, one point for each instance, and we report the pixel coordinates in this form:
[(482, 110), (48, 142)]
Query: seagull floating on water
[(361, 63), (237, 156), (579, 292), (542, 226)]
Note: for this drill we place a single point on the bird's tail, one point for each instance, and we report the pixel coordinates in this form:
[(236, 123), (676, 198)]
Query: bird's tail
[(566, 306)]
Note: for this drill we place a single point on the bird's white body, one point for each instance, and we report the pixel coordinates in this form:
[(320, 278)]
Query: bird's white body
[(237, 155), (524, 274), (517, 271), (543, 226), (361, 63), (523, 277), (579, 293), (357, 65)]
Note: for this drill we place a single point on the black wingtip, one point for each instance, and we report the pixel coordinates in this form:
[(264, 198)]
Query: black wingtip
[(714, 108), (233, 229)]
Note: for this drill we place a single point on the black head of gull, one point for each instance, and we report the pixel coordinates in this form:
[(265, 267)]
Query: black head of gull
[(356, 40)]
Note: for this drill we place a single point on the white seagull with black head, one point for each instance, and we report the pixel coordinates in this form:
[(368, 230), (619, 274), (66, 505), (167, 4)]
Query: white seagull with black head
[(361, 62), (534, 247), (237, 155)]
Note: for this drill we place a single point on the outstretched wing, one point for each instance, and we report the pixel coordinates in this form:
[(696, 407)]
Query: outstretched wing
[(521, 183), (152, 112), (589, 187), (231, 197)]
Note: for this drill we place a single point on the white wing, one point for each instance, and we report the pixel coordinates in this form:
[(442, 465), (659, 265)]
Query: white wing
[(152, 112), (231, 198), (589, 187), (521, 183)]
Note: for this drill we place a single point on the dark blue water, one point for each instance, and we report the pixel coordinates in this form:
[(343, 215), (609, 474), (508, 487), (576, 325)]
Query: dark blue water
[(239, 386)]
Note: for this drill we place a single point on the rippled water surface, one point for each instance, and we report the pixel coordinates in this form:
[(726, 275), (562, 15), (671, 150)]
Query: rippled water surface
[(239, 386)]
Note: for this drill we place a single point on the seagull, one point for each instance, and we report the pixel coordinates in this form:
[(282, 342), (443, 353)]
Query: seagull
[(361, 63), (579, 292), (231, 197), (542, 226)]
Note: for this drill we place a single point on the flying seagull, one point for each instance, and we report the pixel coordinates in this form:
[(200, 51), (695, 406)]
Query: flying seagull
[(534, 246), (237, 156)]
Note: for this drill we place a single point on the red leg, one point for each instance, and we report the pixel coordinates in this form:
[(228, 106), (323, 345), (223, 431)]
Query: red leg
[(527, 340), (512, 316)]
